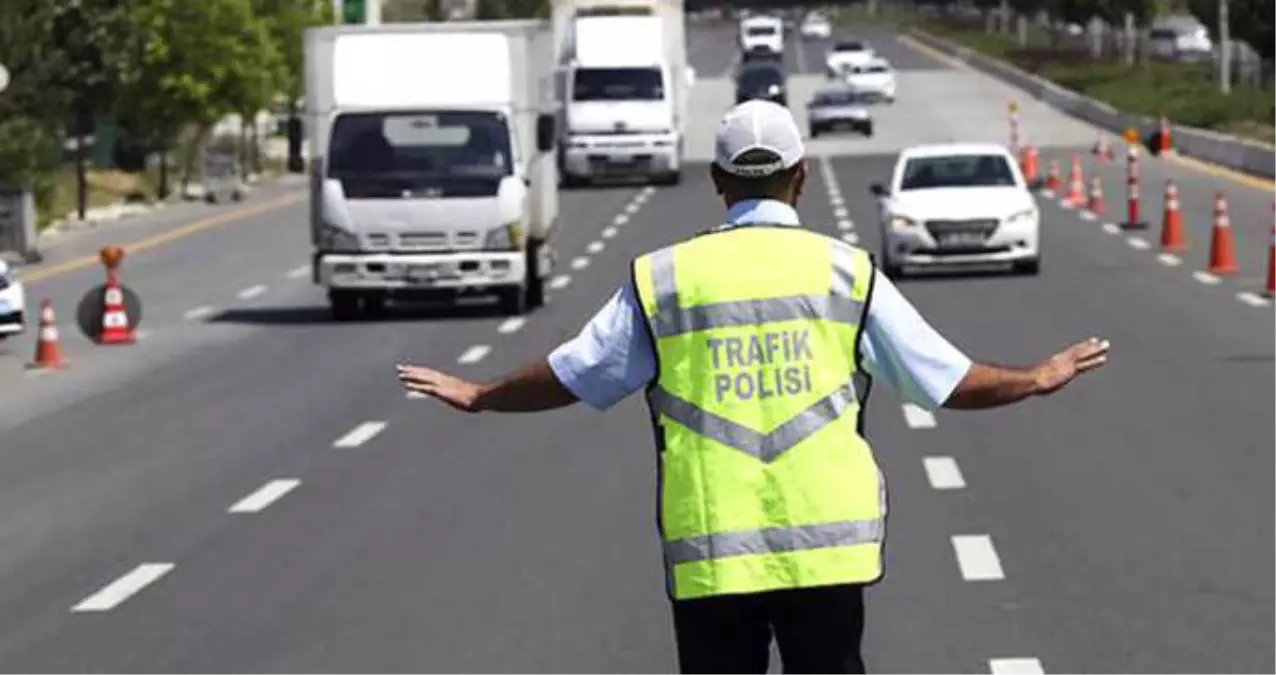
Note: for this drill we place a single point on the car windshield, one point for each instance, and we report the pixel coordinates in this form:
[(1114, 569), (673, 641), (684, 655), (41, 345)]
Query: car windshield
[(921, 173), (848, 47), (760, 31), (617, 84), (836, 98), (421, 143), (753, 78)]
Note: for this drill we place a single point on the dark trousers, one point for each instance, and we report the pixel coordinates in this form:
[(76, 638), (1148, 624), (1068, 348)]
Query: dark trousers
[(818, 630)]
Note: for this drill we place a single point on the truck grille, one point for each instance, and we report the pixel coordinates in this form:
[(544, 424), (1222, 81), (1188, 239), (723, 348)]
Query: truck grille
[(423, 241)]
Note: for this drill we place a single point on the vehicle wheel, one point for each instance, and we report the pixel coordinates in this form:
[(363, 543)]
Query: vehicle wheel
[(868, 132), (374, 304), (344, 305), (513, 301), (569, 181), (814, 132), (671, 178), (1029, 267), (535, 294)]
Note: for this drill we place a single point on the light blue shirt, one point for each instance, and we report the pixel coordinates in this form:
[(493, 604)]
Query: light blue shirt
[(613, 357)]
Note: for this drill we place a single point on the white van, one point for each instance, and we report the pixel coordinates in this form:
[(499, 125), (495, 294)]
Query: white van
[(762, 32)]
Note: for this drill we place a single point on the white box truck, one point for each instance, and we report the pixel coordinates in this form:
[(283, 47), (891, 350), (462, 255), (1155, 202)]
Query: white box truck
[(624, 87), (433, 167)]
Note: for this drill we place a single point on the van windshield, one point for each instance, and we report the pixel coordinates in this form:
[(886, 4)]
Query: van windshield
[(760, 31), (424, 143), (617, 84)]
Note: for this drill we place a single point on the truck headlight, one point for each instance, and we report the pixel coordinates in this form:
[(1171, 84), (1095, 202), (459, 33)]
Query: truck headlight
[(508, 237), (901, 222), (1020, 217), (333, 239)]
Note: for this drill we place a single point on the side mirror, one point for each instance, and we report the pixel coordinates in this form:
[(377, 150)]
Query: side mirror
[(545, 132), (877, 189)]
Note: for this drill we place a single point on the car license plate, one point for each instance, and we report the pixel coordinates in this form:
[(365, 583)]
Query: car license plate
[(961, 239), (430, 272)]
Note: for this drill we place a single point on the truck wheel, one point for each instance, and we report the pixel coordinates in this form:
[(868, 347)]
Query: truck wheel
[(344, 305), (868, 131), (374, 304), (513, 301), (535, 294), (671, 178)]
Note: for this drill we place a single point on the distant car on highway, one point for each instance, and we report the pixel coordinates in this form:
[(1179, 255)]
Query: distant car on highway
[(957, 204), (875, 77), (13, 302), (838, 108), (761, 81), (815, 26), (845, 54)]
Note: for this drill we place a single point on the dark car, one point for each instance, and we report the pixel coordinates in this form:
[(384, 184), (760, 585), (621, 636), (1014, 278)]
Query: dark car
[(761, 80)]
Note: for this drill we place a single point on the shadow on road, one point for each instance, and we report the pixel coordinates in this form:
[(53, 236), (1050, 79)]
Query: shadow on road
[(314, 315), (958, 274)]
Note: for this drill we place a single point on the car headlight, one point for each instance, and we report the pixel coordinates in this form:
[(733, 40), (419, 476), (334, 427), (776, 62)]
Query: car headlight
[(1023, 216), (333, 239), (901, 222), (508, 237)]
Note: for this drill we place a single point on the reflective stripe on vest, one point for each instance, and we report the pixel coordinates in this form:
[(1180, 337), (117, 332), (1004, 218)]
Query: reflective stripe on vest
[(733, 559)]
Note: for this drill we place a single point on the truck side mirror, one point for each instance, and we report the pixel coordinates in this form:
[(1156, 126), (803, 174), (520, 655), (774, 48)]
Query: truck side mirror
[(545, 132)]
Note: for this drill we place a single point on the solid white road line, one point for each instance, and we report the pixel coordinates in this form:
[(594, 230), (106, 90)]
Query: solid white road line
[(845, 224), (560, 282), (1139, 243), (199, 312), (918, 417), (359, 435), (299, 272), (580, 263), (620, 219), (977, 558), (474, 354), (595, 247), (1015, 666), (1251, 299), (1111, 228), (943, 474), (116, 592), (252, 292), (511, 325), (265, 496), (1169, 259), (609, 232), (1205, 278)]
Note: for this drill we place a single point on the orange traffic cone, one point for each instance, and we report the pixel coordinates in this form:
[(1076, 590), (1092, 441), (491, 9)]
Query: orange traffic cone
[(1222, 247), (48, 349), (1172, 222), (1102, 149), (1167, 142), (1270, 291), (1098, 204), (115, 324), (1076, 184), (1030, 164), (1053, 179)]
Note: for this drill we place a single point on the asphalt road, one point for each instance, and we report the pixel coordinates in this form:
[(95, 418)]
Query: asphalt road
[(1123, 525)]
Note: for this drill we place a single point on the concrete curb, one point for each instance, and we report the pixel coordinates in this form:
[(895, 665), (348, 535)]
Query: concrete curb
[(1235, 153)]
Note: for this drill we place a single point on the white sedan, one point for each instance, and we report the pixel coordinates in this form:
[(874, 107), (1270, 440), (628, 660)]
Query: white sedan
[(13, 303), (875, 78), (847, 54), (958, 204)]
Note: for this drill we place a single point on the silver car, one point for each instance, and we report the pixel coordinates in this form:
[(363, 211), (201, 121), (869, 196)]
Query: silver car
[(840, 108)]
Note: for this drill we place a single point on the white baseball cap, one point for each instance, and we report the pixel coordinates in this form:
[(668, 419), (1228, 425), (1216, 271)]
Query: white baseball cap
[(757, 127)]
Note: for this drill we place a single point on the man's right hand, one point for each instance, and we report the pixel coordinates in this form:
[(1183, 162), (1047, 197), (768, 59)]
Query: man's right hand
[(1061, 368)]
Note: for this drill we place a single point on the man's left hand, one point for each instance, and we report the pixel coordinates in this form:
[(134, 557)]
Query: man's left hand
[(458, 393)]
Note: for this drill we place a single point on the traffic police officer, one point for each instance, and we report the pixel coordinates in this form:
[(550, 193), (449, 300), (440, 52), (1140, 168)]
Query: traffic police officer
[(756, 343)]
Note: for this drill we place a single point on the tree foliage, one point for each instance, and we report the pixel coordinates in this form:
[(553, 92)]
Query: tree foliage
[(1248, 20)]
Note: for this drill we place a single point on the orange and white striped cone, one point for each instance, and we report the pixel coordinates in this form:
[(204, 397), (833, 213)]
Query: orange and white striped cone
[(1102, 150), (48, 347), (1054, 180), (1172, 240), (115, 323), (1133, 217), (1076, 185), (1098, 204), (1270, 291), (1167, 141), (1222, 245)]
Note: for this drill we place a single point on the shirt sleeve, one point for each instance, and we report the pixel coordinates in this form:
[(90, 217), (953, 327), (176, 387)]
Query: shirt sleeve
[(611, 358), (899, 346)]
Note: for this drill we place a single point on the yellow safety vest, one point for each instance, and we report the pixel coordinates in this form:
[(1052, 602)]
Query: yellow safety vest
[(766, 481)]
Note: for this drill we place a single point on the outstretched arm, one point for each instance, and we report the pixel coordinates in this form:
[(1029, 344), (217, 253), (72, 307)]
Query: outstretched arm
[(530, 389), (989, 386)]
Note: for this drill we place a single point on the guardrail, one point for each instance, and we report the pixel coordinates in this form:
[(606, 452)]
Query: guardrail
[(1250, 157)]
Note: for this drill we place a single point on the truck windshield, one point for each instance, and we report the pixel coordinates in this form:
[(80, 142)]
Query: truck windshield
[(617, 84), (443, 143), (760, 31)]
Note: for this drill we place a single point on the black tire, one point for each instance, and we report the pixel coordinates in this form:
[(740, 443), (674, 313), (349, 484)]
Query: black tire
[(374, 304), (1029, 267), (344, 305), (569, 181), (512, 301), (815, 131), (868, 131), (670, 179), (535, 294)]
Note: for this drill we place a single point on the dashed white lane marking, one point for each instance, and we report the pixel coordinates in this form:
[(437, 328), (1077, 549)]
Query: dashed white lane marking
[(845, 224), (359, 435), (299, 272), (943, 474), (632, 208), (1015, 666), (474, 354), (609, 232), (648, 191), (1139, 243), (620, 219), (977, 558), (265, 496), (1088, 215), (1111, 228), (511, 325), (560, 282), (851, 238), (836, 200), (252, 292), (416, 394), (918, 417), (1065, 205), (1205, 278), (199, 312), (839, 212), (1048, 194), (1251, 299), (116, 592), (580, 263), (1169, 259), (595, 247)]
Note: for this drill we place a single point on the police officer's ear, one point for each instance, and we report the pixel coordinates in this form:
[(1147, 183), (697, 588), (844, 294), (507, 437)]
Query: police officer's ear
[(799, 180)]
